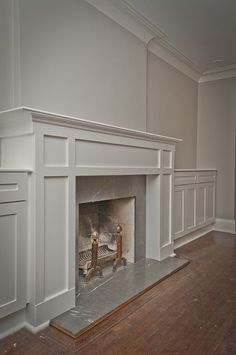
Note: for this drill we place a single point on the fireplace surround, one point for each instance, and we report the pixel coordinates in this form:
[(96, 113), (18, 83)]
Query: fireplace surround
[(62, 153)]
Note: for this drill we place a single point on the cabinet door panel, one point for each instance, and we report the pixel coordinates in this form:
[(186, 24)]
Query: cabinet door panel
[(210, 202), (178, 212), (12, 257), (201, 204), (190, 208)]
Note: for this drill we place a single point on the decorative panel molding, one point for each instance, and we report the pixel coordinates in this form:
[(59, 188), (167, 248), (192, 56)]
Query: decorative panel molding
[(167, 159), (190, 207), (201, 204), (8, 258), (166, 210), (55, 235), (113, 155), (210, 202), (194, 203), (13, 273), (13, 187), (206, 178), (185, 180), (179, 211), (55, 151)]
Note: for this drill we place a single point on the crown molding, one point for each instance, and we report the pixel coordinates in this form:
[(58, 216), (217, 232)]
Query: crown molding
[(135, 22), (220, 73), (129, 18), (164, 50)]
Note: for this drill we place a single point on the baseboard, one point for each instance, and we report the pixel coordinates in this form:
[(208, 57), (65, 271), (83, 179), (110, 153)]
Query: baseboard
[(192, 236), (12, 323), (37, 329), (52, 307), (166, 250), (224, 225)]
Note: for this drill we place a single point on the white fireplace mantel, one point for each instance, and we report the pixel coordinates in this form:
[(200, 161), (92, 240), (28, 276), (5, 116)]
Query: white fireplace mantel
[(56, 149)]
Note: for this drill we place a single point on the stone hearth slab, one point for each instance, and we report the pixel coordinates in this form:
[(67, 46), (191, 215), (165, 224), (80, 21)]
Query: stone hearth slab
[(101, 297)]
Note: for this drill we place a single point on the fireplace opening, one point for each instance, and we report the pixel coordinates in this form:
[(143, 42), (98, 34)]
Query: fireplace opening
[(111, 211), (105, 229)]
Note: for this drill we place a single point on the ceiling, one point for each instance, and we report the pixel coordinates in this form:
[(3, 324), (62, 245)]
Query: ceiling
[(203, 30)]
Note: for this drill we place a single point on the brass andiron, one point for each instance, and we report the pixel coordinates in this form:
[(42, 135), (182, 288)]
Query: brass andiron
[(94, 267), (119, 258)]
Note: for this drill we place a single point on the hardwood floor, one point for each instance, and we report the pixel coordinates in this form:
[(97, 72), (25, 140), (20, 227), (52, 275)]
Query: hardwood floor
[(191, 312)]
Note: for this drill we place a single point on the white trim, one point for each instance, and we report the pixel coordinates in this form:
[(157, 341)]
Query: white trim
[(220, 69), (4, 170), (224, 225), (219, 74), (129, 18), (73, 122), (194, 170), (221, 225), (166, 250), (36, 329), (15, 53), (164, 50), (12, 323), (191, 236), (12, 330), (143, 28), (19, 324)]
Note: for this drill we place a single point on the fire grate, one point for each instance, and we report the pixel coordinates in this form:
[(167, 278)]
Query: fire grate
[(104, 254)]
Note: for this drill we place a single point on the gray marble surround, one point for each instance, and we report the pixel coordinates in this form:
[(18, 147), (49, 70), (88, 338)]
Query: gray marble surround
[(99, 188)]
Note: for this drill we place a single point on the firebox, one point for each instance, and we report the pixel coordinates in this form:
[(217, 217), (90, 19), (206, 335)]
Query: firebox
[(105, 205)]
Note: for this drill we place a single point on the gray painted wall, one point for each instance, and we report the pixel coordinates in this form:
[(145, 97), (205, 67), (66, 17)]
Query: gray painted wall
[(74, 60), (216, 139), (172, 108), (6, 72)]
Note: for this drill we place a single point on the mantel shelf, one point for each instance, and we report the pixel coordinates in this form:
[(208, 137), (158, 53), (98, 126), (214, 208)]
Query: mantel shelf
[(74, 122)]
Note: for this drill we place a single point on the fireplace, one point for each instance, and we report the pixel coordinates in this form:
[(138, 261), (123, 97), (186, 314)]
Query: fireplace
[(103, 202), (73, 161), (103, 217)]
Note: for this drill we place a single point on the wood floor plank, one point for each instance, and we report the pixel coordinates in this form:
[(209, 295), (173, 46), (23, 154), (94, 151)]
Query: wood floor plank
[(191, 312)]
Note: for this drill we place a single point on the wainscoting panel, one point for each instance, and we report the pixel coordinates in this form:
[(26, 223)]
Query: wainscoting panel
[(166, 210), (55, 235), (114, 155), (55, 151), (179, 211), (12, 257)]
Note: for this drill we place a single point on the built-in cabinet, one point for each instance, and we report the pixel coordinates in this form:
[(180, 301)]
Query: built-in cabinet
[(13, 242), (194, 200)]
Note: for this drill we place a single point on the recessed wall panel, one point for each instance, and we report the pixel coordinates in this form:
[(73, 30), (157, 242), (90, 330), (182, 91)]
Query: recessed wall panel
[(190, 207), (55, 151), (178, 211), (55, 234), (166, 210), (167, 159), (8, 258), (210, 202), (201, 204), (114, 155)]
